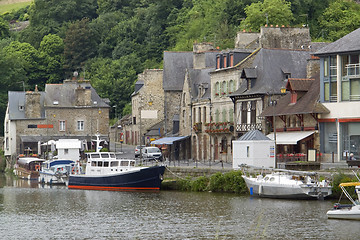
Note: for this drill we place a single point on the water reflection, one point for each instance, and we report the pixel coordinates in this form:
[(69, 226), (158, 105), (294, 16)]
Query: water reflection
[(28, 210)]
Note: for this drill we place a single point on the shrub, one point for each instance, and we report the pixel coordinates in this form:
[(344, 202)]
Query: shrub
[(200, 184)]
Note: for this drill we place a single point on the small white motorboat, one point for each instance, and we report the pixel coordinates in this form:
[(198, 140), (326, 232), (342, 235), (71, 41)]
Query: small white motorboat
[(348, 211), (55, 171), (288, 184)]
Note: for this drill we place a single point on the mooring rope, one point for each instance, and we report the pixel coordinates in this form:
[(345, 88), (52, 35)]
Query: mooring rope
[(174, 173)]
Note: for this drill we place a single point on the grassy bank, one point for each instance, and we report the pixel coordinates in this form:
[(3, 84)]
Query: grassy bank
[(9, 6), (230, 182)]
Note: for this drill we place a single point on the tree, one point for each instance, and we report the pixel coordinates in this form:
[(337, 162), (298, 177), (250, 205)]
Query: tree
[(79, 45), (51, 50), (272, 12), (4, 29), (339, 19)]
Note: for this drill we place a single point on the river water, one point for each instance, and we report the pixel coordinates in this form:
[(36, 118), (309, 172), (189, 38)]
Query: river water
[(30, 211)]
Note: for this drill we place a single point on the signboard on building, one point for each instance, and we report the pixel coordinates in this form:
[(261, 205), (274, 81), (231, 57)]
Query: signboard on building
[(149, 114)]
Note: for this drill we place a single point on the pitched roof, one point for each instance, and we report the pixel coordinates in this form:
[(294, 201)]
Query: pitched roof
[(253, 135), (299, 84), (269, 65), (175, 65), (16, 101), (307, 104), (348, 43), (200, 77), (65, 94)]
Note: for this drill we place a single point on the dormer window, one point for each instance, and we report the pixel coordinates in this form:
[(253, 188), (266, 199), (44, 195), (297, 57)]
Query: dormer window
[(21, 108), (231, 60), (293, 97), (287, 76), (225, 61), (218, 62)]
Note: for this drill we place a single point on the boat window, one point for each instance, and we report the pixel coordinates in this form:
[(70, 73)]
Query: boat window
[(266, 178), (104, 155), (112, 155), (95, 155), (99, 164), (132, 163), (106, 164), (272, 179), (93, 163), (114, 164), (124, 163)]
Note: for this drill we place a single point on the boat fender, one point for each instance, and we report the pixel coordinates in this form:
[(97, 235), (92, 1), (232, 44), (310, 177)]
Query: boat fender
[(37, 167), (161, 177), (73, 170)]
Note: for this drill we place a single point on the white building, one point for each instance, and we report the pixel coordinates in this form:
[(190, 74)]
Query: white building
[(68, 149), (253, 149)]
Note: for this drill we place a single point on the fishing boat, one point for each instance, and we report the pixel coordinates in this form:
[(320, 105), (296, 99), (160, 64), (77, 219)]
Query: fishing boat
[(288, 184), (106, 172), (28, 167), (55, 171), (347, 211)]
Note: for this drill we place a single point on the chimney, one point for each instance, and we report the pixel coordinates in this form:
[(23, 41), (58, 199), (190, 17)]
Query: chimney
[(199, 50), (32, 104), (313, 66), (83, 96)]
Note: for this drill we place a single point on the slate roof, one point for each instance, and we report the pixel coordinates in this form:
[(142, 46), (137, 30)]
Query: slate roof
[(175, 65), (65, 94), (197, 77), (306, 104), (253, 135), (348, 43), (17, 99), (270, 65)]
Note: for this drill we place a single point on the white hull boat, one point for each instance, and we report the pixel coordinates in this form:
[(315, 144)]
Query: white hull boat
[(288, 184), (350, 212), (55, 171)]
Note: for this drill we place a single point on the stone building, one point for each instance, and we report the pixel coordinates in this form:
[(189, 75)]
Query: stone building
[(147, 101), (69, 110)]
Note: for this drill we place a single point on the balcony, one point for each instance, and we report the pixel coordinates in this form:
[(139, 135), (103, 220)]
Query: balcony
[(219, 127), (353, 70), (245, 127)]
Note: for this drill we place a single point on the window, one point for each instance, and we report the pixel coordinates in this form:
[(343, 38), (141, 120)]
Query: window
[(244, 112), (99, 164), (66, 151), (224, 145), (80, 125), (106, 164), (247, 151), (217, 89), (231, 60), (218, 62), (253, 112), (204, 115), (224, 88), (225, 61), (199, 114), (330, 79), (231, 115), (114, 164), (217, 116), (62, 125), (231, 86)]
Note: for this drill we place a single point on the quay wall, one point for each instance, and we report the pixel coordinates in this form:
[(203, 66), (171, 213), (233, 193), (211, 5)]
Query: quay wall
[(183, 172)]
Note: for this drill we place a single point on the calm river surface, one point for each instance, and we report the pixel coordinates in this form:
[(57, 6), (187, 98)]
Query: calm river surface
[(29, 211)]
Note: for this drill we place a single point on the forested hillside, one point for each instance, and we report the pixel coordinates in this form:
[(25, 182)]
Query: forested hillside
[(110, 41)]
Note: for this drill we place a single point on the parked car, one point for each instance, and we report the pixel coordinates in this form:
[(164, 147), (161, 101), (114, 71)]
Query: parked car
[(137, 150), (152, 153)]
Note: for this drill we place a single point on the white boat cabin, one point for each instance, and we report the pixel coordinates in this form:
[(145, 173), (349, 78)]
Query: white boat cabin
[(102, 163)]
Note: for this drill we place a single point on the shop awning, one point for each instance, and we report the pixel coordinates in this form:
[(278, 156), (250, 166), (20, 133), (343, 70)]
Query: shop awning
[(168, 140), (284, 138)]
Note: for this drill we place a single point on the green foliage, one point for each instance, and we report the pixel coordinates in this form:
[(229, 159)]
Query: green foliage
[(338, 178), (200, 184), (273, 12), (217, 181), (127, 109), (4, 29), (78, 46), (339, 19)]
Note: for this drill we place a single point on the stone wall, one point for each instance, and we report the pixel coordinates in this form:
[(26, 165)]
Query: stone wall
[(247, 40), (285, 38), (313, 67), (172, 107)]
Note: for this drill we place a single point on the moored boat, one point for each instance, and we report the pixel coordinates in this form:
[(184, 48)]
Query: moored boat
[(348, 211), (28, 167), (105, 172), (288, 184), (55, 171)]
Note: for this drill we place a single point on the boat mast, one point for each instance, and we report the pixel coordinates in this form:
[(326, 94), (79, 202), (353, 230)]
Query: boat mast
[(98, 141)]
